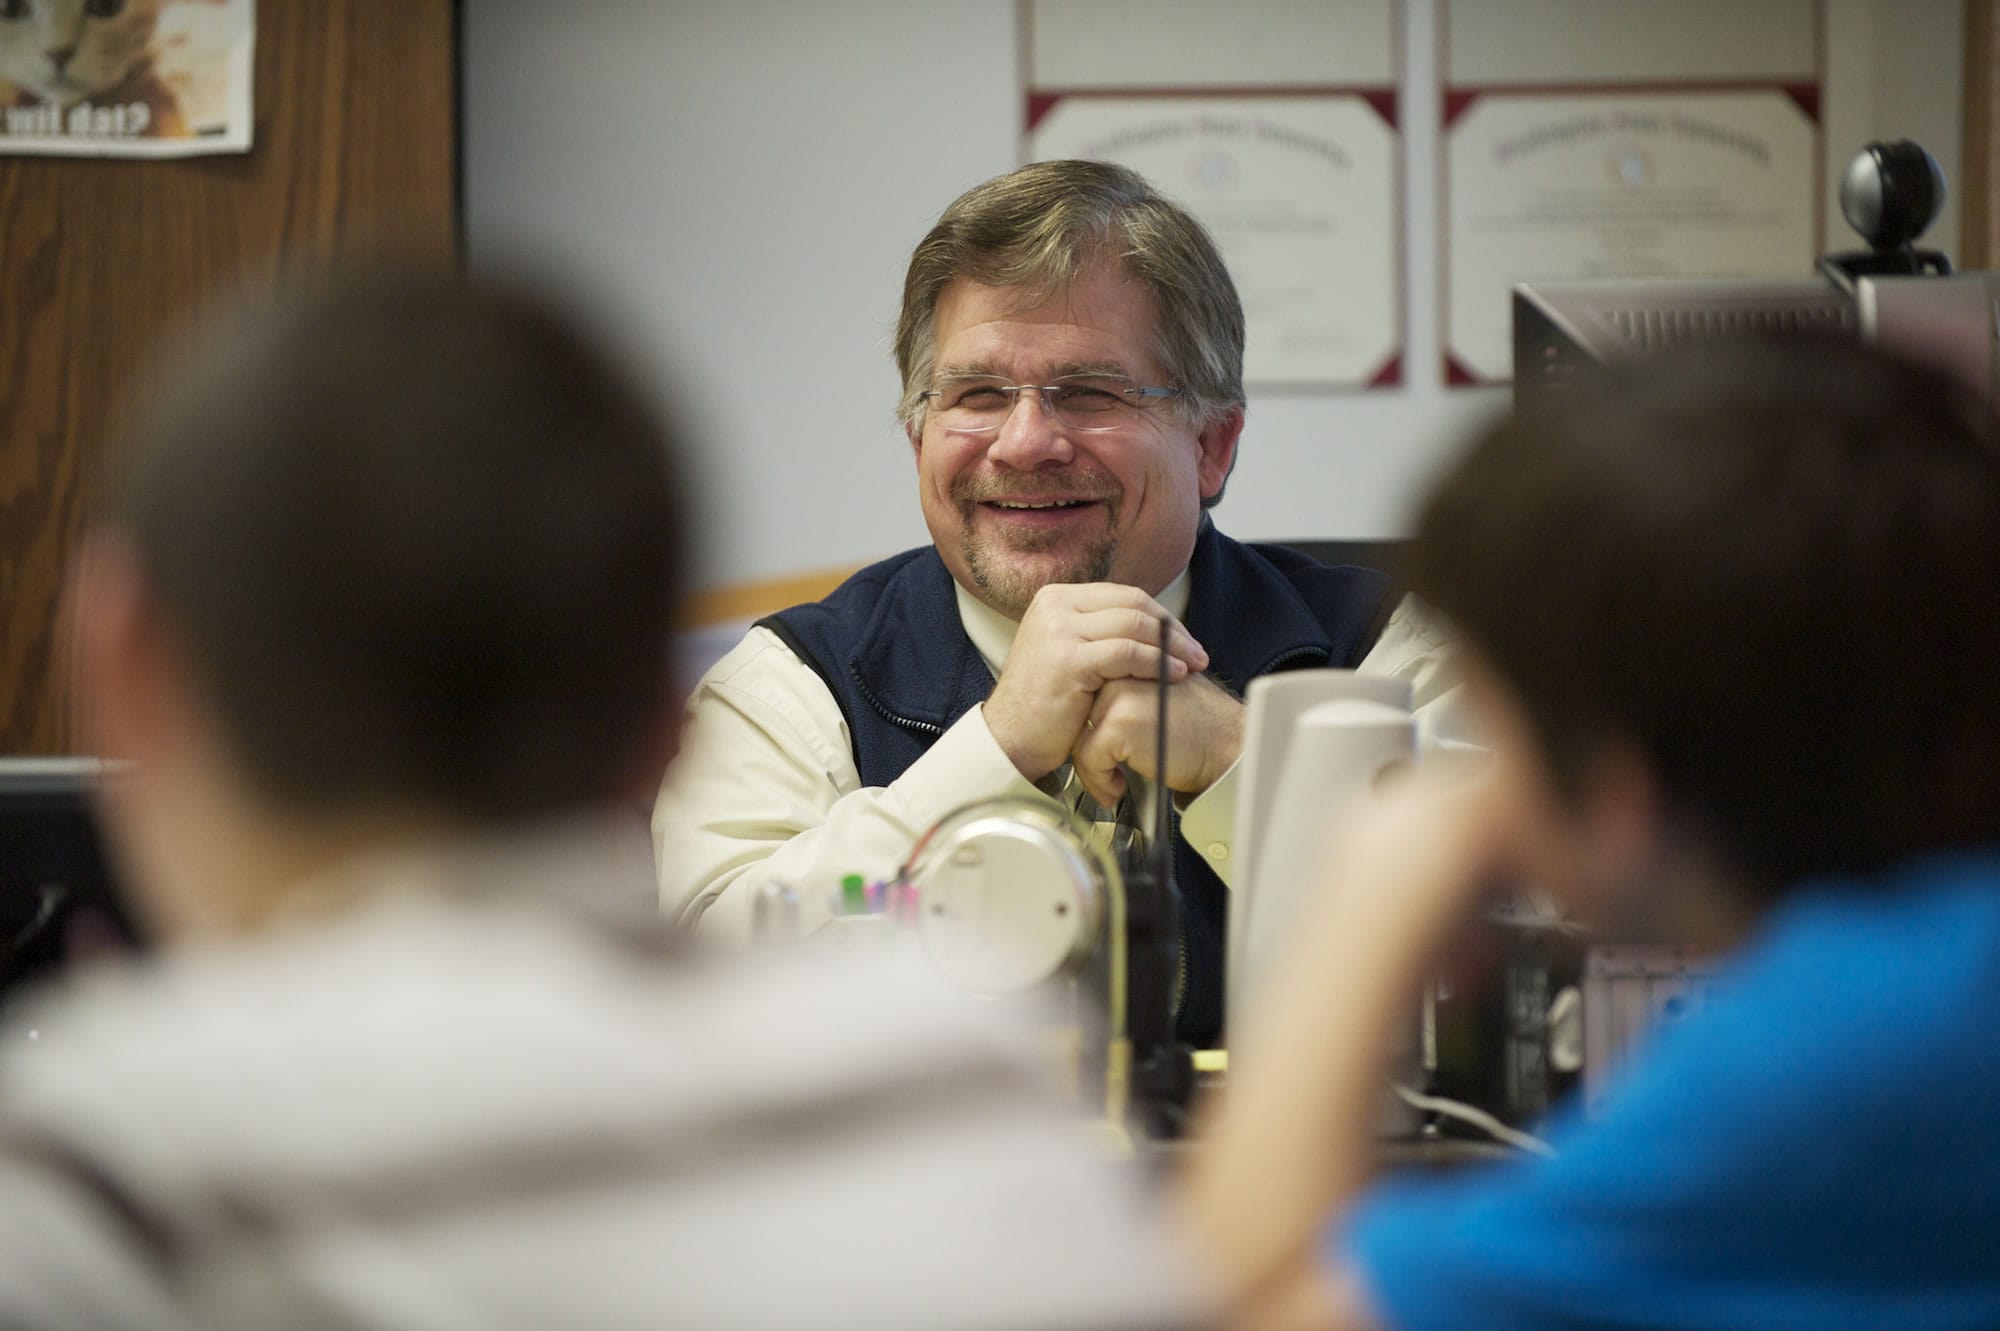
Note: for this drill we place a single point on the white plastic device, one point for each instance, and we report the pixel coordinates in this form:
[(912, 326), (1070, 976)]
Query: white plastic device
[(1313, 739), (1011, 894)]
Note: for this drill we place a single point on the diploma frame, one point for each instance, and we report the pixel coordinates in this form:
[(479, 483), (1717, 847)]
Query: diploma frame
[(1349, 294), (1804, 92)]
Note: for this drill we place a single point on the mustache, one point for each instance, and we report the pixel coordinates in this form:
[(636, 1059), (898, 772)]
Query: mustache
[(987, 489)]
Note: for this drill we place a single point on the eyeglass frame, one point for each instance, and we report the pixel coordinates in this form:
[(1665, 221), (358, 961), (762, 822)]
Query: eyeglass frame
[(1138, 391)]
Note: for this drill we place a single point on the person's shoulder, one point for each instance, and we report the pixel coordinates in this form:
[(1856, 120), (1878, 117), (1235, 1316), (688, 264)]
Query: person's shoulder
[(954, 1107), (880, 604), (861, 993), (860, 589), (758, 652), (1281, 557), (1933, 917), (1865, 994), (879, 574), (1351, 601), (1305, 570), (1274, 559)]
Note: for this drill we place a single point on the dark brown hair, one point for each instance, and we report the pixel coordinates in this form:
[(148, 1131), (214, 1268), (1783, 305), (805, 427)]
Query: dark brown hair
[(422, 541), (1772, 565)]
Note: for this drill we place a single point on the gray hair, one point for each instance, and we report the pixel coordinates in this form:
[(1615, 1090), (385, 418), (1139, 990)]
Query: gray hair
[(1038, 227)]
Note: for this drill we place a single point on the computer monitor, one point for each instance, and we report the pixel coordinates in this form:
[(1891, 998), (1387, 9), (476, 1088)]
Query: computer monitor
[(1953, 322), (1564, 329), (59, 898)]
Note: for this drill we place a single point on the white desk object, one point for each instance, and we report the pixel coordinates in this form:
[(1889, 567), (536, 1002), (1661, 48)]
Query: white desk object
[(1312, 740)]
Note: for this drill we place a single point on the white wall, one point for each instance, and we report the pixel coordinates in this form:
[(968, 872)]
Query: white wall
[(738, 186), (1896, 70)]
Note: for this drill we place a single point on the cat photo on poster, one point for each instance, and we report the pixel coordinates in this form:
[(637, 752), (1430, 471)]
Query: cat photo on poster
[(125, 78)]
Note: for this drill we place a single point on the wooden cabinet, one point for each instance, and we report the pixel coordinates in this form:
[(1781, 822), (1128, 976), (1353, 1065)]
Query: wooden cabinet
[(101, 262)]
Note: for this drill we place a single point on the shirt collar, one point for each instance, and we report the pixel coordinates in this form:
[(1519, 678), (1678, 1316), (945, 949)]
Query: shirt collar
[(992, 633)]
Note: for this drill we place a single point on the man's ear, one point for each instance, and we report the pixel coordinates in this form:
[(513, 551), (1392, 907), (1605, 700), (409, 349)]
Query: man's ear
[(1218, 451), (914, 432)]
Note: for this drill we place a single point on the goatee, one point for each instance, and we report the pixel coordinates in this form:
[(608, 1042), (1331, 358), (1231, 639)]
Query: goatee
[(1008, 587)]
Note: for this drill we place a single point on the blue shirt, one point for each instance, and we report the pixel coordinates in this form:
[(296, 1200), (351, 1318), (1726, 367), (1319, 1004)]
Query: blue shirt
[(1817, 1147)]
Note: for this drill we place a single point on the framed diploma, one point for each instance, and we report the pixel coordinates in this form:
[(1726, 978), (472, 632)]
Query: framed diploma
[(1275, 124), (1301, 191), (1680, 141), (1655, 184)]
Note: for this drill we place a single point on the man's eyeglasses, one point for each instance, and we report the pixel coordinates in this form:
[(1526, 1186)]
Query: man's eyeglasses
[(980, 404)]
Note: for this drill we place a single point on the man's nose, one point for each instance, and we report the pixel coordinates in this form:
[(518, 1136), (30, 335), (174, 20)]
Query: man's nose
[(1031, 436)]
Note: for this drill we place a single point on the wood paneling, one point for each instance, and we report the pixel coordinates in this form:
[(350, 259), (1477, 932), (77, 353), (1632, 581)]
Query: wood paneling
[(1979, 232), (102, 261)]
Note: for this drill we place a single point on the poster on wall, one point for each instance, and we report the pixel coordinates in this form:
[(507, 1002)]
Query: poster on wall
[(1553, 186), (126, 78), (1299, 191)]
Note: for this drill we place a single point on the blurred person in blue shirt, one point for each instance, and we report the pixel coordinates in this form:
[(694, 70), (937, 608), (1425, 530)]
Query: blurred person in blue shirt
[(1733, 626)]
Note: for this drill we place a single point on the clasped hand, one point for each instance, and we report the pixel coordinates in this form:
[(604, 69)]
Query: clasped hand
[(1079, 685)]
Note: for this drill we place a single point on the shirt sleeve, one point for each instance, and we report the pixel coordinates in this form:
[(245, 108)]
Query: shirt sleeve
[(1416, 648), (1208, 824), (64, 1260), (765, 790)]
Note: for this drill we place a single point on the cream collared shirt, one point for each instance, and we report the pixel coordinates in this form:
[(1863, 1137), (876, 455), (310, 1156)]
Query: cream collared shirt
[(765, 788)]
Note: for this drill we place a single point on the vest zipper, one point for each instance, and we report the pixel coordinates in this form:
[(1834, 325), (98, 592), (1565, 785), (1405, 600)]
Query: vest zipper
[(1283, 659), (907, 722)]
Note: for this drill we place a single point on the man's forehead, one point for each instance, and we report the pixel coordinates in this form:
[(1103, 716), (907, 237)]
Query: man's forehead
[(1098, 283), (1100, 322), (1000, 368)]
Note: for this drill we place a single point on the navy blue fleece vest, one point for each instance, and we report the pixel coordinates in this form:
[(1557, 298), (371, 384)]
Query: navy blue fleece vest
[(889, 644)]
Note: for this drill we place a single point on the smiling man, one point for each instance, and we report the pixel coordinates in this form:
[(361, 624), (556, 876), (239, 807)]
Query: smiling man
[(1071, 349)]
